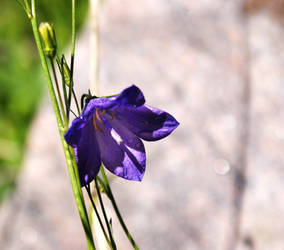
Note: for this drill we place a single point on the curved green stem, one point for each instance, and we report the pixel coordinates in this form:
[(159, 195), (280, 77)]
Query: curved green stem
[(105, 216), (60, 66), (113, 202), (94, 49), (59, 94), (76, 102), (68, 155), (28, 8), (73, 37), (98, 215)]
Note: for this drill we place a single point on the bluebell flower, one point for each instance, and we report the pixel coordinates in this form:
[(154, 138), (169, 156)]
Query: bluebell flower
[(110, 130)]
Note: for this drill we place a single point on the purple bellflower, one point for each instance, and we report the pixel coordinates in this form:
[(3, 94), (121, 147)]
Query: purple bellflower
[(109, 130)]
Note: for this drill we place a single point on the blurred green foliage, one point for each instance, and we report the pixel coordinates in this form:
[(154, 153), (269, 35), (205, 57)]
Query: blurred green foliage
[(21, 78)]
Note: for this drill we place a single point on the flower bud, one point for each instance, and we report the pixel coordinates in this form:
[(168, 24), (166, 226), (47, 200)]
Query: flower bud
[(47, 34)]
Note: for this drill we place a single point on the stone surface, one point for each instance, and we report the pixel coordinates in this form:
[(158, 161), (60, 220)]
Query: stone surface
[(220, 73)]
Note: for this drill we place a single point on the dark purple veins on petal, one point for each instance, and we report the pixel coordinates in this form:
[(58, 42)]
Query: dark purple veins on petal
[(109, 131), (146, 122), (122, 152)]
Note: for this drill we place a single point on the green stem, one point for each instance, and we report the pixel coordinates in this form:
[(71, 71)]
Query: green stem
[(76, 188), (72, 59), (113, 202), (69, 98), (77, 191), (28, 8), (98, 215), (105, 216), (73, 38), (60, 66), (59, 94), (76, 102), (94, 49)]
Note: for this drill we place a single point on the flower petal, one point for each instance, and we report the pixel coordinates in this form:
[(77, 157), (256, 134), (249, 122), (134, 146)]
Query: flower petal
[(122, 152), (146, 122), (131, 96), (73, 135), (81, 136)]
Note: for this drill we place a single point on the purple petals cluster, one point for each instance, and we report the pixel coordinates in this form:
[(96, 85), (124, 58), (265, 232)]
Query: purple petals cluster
[(110, 130)]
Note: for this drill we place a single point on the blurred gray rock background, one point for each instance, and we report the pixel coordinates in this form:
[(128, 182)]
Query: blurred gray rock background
[(217, 181)]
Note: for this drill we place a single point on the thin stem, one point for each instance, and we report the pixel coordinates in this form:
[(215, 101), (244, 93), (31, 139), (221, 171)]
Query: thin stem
[(73, 113), (60, 66), (73, 37), (76, 102), (113, 202), (94, 47), (77, 191), (28, 9), (58, 93), (98, 215), (72, 60), (72, 56), (105, 216), (44, 64), (69, 98), (68, 154), (75, 169)]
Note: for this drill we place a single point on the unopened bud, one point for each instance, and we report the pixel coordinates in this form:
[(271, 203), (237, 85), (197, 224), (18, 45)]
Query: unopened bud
[(48, 39)]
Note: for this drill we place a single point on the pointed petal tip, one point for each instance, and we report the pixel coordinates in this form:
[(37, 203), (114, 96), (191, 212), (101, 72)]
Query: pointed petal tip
[(176, 124), (146, 122), (131, 96)]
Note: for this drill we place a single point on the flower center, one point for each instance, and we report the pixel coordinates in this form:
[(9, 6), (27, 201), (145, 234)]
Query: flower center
[(97, 118)]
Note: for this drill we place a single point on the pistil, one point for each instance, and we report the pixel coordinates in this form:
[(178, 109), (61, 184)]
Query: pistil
[(95, 124), (97, 116)]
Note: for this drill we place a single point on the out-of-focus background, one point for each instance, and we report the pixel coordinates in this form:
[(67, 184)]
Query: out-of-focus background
[(215, 183), (21, 80)]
